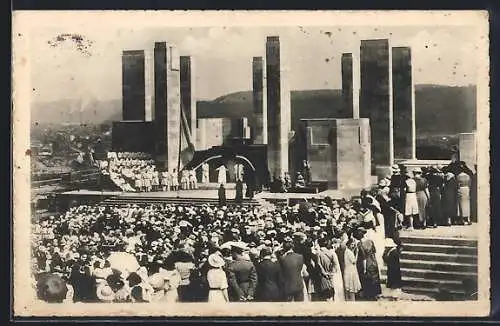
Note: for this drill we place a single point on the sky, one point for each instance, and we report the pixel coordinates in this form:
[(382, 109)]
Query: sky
[(443, 55)]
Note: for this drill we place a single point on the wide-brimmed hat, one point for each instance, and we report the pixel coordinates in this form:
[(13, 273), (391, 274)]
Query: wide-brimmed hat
[(389, 243), (104, 292), (417, 170), (216, 261), (395, 168), (157, 281)]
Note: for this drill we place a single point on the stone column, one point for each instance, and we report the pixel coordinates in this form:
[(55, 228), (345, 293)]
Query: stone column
[(350, 84), (133, 85), (403, 103), (278, 108), (376, 100), (468, 149), (167, 105), (149, 76), (259, 123)]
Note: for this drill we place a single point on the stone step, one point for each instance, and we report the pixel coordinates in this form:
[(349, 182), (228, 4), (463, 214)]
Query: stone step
[(444, 249), (439, 241), (433, 284), (436, 293), (438, 257), (435, 266), (436, 275), (194, 201)]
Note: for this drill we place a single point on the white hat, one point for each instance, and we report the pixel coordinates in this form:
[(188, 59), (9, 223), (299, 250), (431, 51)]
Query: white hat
[(389, 243), (216, 261), (104, 292)]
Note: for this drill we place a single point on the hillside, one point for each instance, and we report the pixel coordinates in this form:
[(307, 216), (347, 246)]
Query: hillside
[(439, 109)]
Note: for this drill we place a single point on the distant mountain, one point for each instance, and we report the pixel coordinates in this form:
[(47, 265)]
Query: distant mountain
[(439, 109)]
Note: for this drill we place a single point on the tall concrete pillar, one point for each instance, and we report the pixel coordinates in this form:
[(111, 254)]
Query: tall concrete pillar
[(149, 77), (187, 80), (376, 100), (133, 85), (259, 121), (403, 103), (350, 84), (278, 108), (167, 105)]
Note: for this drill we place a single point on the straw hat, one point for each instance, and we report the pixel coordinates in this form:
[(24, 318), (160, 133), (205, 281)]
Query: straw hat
[(104, 292), (216, 261)]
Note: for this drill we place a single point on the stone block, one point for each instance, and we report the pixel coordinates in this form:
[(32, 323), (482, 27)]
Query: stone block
[(337, 152)]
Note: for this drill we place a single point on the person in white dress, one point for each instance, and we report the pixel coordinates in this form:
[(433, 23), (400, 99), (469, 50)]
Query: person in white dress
[(174, 180), (222, 175), (205, 169), (238, 171), (193, 182), (184, 180), (165, 181), (217, 280), (352, 284)]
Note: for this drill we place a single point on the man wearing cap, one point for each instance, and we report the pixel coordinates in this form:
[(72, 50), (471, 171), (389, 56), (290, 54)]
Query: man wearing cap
[(243, 276), (270, 285)]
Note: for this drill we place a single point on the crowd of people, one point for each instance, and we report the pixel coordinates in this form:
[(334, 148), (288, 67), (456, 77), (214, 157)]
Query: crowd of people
[(136, 172), (321, 250)]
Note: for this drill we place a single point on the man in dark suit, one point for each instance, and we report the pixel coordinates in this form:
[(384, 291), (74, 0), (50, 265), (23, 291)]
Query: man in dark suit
[(292, 268), (270, 286), (242, 277)]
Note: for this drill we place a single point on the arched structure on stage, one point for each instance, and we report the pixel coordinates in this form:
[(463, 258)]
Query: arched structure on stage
[(252, 157)]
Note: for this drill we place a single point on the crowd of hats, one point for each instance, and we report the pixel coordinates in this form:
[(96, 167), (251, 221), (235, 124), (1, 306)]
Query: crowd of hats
[(79, 242)]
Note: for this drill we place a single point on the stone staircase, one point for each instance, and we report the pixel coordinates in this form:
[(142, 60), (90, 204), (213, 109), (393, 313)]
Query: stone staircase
[(145, 200), (438, 267)]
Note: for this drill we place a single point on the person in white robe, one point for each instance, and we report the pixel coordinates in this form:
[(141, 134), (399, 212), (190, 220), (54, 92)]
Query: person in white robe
[(205, 168), (221, 179)]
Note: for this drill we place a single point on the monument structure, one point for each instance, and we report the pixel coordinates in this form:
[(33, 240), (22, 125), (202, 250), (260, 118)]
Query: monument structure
[(350, 84), (403, 92), (278, 108), (338, 151), (167, 113), (259, 123), (376, 100)]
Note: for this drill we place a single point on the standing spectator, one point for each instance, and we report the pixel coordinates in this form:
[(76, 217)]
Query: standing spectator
[(449, 199), (422, 197), (463, 197), (270, 285), (436, 180), (473, 195), (292, 267), (239, 192), (352, 284), (217, 280), (391, 259), (242, 287), (411, 203), (367, 266), (222, 195)]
